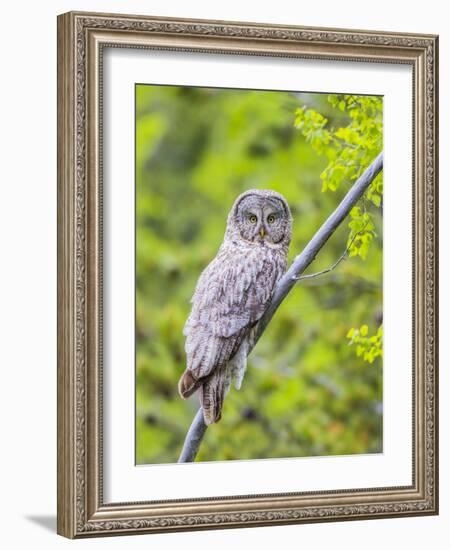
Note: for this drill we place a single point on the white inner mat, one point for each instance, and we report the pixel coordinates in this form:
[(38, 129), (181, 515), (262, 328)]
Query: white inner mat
[(123, 480)]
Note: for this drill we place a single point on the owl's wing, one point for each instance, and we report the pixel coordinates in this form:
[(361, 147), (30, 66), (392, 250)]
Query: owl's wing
[(231, 296)]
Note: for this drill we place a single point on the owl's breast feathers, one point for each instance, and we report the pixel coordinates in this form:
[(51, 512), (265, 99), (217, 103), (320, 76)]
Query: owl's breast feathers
[(231, 296)]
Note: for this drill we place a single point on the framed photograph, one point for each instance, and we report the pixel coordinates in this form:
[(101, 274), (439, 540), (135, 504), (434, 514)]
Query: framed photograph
[(247, 274)]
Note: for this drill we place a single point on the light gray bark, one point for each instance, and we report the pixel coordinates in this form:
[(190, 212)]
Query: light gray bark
[(193, 438), (301, 262)]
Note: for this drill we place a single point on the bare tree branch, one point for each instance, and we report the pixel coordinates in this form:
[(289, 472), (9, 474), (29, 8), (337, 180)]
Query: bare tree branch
[(301, 262)]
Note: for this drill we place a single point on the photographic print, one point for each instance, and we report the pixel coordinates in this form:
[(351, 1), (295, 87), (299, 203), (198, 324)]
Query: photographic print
[(231, 185)]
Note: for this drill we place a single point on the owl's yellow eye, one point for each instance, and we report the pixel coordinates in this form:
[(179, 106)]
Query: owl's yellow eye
[(253, 219), (270, 218)]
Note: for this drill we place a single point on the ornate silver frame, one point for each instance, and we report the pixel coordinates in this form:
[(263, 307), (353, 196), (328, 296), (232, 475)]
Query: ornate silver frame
[(81, 38)]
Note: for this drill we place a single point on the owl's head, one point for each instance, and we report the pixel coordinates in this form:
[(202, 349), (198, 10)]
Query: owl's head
[(260, 216)]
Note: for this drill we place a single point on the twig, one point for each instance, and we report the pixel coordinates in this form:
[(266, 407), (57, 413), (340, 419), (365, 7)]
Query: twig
[(327, 270), (301, 262), (337, 262)]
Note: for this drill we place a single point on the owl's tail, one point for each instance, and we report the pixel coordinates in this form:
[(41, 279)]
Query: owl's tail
[(212, 395), (212, 392), (188, 384)]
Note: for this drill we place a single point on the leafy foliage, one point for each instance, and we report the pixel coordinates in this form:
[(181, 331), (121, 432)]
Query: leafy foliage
[(306, 392), (367, 347), (350, 148), (362, 231)]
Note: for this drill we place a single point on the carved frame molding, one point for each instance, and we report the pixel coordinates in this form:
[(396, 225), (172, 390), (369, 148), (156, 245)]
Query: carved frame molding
[(81, 39)]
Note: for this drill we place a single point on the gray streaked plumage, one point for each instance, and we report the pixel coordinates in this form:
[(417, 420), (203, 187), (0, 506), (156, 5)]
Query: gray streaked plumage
[(232, 294)]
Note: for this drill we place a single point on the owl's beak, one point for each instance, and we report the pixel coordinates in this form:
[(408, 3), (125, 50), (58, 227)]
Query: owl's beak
[(262, 232)]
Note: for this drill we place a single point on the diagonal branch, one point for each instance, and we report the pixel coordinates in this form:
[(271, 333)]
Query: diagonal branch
[(193, 438), (301, 262)]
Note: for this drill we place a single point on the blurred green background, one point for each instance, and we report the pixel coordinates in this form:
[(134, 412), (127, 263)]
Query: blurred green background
[(307, 390)]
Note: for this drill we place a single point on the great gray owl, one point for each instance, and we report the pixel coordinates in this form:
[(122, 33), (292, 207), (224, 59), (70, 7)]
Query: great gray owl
[(231, 296)]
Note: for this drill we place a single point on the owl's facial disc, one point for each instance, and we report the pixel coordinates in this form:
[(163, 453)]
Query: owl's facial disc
[(262, 219)]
